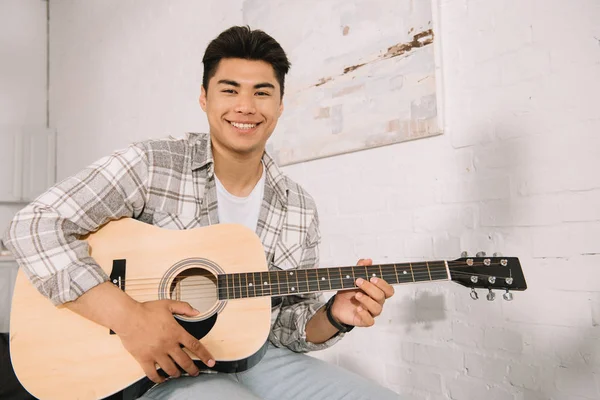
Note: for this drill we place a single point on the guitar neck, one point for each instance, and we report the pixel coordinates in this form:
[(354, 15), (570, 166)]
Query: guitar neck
[(314, 280)]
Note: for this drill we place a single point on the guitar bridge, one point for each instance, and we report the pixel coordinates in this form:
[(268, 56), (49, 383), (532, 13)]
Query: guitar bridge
[(117, 276)]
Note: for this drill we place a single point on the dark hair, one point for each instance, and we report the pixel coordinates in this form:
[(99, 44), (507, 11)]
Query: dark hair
[(243, 42)]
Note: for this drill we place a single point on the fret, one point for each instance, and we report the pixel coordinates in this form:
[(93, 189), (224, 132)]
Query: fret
[(257, 282), (360, 271), (373, 271), (313, 281), (404, 275), (264, 278), (228, 284), (254, 292), (335, 278), (388, 273), (291, 282), (428, 270), (244, 285), (296, 281), (237, 294), (347, 277), (250, 285), (438, 270), (302, 276), (286, 283), (297, 284), (274, 283), (221, 284), (396, 271), (324, 283), (421, 272), (412, 272)]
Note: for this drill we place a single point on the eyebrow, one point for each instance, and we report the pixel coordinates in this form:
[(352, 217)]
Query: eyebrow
[(236, 84)]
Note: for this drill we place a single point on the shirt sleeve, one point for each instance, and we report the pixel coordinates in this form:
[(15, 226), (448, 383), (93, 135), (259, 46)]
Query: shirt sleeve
[(289, 328), (45, 235)]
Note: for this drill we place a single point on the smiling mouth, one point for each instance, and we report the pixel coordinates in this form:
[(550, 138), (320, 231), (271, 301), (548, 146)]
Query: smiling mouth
[(244, 126)]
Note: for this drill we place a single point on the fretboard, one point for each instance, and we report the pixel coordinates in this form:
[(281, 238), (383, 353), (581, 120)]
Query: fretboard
[(300, 281)]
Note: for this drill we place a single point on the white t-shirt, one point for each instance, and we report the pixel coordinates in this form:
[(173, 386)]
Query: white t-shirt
[(240, 210)]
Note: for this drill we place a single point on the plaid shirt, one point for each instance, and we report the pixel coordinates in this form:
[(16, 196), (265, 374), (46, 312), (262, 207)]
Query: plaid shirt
[(168, 183)]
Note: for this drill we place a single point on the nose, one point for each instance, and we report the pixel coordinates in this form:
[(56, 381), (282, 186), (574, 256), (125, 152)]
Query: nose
[(245, 104)]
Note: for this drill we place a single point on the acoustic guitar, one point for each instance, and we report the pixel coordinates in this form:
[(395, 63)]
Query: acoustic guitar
[(221, 270)]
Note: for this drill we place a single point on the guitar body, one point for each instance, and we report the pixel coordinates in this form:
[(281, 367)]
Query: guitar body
[(57, 354)]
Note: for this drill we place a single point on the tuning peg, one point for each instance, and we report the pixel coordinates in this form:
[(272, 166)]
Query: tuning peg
[(508, 296), (491, 296), (464, 254), (480, 254), (474, 294), (497, 254)]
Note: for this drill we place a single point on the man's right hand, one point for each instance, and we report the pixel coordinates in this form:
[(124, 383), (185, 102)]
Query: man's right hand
[(147, 330), (152, 336)]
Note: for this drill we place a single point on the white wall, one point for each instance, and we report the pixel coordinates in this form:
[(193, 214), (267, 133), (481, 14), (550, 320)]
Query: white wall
[(23, 79), (516, 171), (121, 71)]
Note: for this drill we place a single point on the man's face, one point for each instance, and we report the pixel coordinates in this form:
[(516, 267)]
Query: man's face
[(243, 105)]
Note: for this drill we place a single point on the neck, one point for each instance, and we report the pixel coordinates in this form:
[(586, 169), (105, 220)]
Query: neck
[(314, 280), (238, 173)]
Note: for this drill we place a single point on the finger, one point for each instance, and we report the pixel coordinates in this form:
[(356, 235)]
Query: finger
[(193, 345), (369, 304), (365, 317), (151, 372), (182, 308), (184, 361), (167, 365), (388, 289), (372, 290), (365, 262)]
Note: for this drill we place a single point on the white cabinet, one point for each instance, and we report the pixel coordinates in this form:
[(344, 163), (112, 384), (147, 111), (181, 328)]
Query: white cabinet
[(27, 163), (11, 161), (8, 275)]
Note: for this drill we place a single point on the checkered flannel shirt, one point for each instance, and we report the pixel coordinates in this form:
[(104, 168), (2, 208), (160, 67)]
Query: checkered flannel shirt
[(168, 183)]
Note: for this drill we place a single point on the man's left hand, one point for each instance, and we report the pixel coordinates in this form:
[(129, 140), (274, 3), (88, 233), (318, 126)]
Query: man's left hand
[(359, 307)]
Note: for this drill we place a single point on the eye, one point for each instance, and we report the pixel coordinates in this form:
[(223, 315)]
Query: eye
[(228, 91), (263, 94)]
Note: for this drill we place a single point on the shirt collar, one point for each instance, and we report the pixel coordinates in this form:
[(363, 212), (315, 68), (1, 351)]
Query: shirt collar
[(202, 157)]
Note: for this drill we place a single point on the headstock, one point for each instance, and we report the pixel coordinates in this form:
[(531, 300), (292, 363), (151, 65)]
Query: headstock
[(502, 273)]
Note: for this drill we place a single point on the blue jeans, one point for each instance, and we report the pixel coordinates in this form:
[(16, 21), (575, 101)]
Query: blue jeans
[(280, 375)]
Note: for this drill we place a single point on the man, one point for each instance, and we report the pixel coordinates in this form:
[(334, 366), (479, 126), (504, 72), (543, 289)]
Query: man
[(225, 176)]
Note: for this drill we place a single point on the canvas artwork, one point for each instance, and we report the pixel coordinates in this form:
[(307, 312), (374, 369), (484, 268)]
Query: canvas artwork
[(366, 79)]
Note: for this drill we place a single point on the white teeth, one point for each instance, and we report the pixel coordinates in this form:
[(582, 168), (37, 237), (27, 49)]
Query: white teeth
[(243, 126)]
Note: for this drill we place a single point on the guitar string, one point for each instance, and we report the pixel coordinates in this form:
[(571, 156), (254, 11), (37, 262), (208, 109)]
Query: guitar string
[(278, 275), (270, 288), (290, 283), (214, 296), (388, 266), (213, 286)]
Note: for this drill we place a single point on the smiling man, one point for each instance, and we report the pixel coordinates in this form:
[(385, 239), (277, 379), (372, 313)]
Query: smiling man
[(204, 179)]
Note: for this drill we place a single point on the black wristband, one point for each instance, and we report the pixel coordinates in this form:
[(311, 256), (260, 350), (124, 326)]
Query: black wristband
[(338, 325)]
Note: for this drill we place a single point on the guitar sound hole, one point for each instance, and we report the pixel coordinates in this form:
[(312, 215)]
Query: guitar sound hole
[(196, 286)]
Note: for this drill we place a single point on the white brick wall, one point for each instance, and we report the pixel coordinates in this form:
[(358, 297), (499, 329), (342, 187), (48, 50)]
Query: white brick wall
[(516, 171)]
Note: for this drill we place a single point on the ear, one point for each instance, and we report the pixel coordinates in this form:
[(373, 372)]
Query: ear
[(281, 107), (202, 99)]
